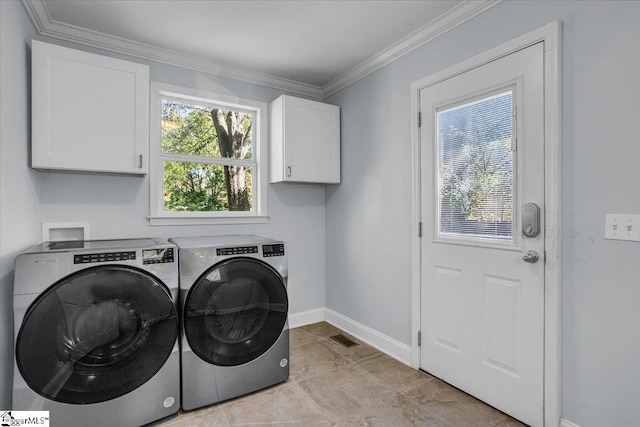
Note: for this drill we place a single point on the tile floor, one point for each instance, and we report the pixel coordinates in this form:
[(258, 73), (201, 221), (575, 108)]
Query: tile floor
[(334, 385)]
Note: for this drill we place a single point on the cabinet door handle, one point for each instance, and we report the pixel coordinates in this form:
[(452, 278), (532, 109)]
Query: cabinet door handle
[(140, 161), (289, 171)]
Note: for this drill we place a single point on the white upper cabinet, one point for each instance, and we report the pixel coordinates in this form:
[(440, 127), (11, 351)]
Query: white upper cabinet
[(89, 112), (305, 141)]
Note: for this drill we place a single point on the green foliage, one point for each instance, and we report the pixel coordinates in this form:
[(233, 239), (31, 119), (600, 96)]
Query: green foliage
[(198, 187), (188, 129), (194, 187)]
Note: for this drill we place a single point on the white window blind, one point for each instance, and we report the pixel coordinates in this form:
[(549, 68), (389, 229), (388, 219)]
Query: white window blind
[(475, 167)]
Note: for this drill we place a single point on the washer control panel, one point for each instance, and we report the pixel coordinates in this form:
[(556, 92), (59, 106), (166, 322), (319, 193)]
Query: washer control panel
[(104, 257), (157, 256), (273, 250), (238, 250), (149, 256)]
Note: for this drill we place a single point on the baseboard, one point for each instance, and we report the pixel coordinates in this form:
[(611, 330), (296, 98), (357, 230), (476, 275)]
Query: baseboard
[(388, 345), (566, 423), (306, 317)]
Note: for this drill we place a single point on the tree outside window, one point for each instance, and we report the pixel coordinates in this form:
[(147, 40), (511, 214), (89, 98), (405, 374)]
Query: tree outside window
[(210, 135)]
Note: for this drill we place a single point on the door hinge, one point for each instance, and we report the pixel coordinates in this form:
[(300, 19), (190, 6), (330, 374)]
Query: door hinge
[(419, 119), (544, 256), (420, 229), (419, 338)]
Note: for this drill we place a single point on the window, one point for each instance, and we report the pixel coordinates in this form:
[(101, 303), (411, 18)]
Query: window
[(475, 168), (207, 152)]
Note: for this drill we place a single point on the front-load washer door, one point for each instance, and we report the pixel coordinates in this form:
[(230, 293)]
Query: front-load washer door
[(235, 311), (96, 335)]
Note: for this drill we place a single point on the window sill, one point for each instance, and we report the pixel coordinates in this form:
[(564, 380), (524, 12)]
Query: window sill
[(221, 220)]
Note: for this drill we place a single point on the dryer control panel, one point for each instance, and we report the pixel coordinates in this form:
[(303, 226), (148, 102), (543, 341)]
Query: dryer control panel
[(238, 250), (276, 249)]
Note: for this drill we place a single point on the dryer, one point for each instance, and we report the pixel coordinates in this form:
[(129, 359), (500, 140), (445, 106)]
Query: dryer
[(234, 304), (96, 327)]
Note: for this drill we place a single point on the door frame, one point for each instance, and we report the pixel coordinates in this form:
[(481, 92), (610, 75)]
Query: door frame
[(550, 34)]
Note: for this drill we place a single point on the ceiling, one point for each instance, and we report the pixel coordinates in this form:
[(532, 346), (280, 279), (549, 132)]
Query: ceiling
[(312, 47)]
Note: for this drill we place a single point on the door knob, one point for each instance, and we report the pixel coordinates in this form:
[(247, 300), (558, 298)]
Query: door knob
[(531, 256)]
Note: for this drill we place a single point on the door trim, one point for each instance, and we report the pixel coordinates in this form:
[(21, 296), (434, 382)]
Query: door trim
[(551, 36)]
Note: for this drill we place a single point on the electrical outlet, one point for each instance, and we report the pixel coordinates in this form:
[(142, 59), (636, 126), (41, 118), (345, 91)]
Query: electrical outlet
[(622, 227)]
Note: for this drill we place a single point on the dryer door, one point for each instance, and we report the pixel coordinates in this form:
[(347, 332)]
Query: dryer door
[(235, 311), (96, 335)]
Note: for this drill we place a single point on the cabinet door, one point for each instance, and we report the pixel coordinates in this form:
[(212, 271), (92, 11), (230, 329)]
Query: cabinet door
[(312, 141), (90, 112)]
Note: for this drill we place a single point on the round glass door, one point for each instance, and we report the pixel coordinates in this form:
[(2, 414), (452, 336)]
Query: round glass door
[(96, 335), (235, 311)]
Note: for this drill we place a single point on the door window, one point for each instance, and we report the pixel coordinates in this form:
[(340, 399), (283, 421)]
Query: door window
[(96, 335), (235, 312), (475, 167)]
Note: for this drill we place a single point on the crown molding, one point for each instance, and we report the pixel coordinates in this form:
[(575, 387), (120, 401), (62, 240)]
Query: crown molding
[(444, 23), (38, 13), (47, 26)]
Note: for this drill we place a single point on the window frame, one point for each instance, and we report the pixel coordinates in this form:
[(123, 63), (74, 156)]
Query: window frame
[(158, 216), (469, 239)]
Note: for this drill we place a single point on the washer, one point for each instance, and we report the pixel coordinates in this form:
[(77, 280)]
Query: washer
[(235, 334), (96, 327)]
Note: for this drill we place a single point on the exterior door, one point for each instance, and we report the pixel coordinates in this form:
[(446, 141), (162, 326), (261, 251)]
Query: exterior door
[(482, 287)]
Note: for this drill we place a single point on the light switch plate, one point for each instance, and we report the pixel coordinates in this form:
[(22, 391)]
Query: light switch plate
[(622, 227)]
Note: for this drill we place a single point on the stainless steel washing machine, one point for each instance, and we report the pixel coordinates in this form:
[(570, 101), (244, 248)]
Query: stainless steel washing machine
[(96, 327), (235, 335)]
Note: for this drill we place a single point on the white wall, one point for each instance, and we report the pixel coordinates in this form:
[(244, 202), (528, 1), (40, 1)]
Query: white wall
[(368, 230), (117, 206)]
